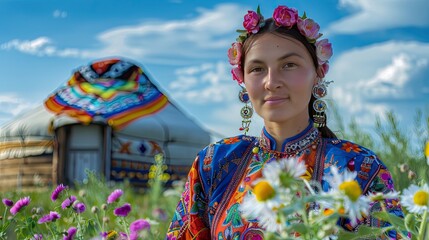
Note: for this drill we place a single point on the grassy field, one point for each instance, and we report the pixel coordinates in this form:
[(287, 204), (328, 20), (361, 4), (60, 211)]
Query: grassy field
[(403, 156)]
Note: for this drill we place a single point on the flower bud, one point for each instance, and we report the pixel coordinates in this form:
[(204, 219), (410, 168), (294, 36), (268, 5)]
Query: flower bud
[(104, 206), (404, 167), (106, 219), (411, 175), (82, 193), (94, 209), (39, 210)]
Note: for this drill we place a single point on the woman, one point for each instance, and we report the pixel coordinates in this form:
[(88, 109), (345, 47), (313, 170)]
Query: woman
[(282, 62)]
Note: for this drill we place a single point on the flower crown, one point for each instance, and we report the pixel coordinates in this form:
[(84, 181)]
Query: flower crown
[(283, 16)]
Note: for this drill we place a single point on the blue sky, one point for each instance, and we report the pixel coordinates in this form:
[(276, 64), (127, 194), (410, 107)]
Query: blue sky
[(380, 61)]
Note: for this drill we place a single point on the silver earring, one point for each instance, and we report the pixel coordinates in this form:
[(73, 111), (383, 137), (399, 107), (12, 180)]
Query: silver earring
[(246, 111), (319, 105)]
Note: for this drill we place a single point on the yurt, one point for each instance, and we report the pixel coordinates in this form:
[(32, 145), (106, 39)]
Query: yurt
[(111, 118)]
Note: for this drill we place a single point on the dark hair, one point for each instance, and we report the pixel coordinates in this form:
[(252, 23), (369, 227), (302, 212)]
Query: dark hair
[(271, 27)]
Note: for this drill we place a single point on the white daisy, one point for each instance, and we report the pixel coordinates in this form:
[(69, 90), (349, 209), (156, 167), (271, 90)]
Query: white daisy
[(378, 196), (347, 195), (290, 168), (416, 199), (265, 212), (269, 194)]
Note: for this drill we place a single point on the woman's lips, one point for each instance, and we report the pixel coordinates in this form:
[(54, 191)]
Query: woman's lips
[(275, 100)]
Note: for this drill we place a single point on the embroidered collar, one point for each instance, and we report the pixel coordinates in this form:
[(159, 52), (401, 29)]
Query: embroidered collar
[(292, 145)]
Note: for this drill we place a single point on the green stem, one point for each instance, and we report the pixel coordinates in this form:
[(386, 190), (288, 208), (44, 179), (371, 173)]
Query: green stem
[(305, 220), (4, 215), (423, 224), (98, 222), (125, 226), (50, 229), (79, 227), (102, 220)]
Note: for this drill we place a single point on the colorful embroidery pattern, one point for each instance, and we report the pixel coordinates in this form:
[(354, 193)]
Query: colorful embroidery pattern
[(219, 180)]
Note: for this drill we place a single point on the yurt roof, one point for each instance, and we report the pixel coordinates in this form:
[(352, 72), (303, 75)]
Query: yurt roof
[(170, 124)]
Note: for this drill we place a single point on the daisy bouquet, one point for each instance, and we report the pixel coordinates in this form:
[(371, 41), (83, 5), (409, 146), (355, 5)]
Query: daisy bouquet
[(288, 206)]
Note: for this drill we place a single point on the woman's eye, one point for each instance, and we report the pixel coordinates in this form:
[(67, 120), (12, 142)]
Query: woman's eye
[(289, 65), (256, 69)]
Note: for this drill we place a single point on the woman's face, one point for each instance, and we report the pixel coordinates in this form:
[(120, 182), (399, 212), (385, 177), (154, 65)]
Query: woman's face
[(279, 75)]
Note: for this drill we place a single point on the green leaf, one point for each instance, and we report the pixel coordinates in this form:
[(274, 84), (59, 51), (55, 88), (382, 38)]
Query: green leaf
[(299, 227), (258, 10), (304, 16), (411, 223), (396, 221), (363, 231)]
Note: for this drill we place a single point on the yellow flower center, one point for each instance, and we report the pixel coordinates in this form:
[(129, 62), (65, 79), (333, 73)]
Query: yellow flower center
[(351, 189), (263, 191), (328, 212), (427, 150), (421, 198), (111, 234), (235, 52)]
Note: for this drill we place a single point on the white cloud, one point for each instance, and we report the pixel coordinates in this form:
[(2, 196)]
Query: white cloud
[(11, 106), (370, 15), (204, 83), (59, 14), (380, 77), (41, 46), (165, 42)]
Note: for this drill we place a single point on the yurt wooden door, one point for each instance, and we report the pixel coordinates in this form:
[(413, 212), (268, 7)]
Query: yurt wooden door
[(84, 152)]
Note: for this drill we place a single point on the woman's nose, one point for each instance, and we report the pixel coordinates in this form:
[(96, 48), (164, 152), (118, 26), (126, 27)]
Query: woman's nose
[(272, 80)]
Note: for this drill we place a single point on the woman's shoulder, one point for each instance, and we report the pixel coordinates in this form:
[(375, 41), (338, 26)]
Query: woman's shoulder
[(345, 154), (230, 143), (219, 160), (348, 149)]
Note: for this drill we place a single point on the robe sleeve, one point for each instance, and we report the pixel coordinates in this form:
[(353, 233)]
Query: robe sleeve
[(190, 218), (381, 182)]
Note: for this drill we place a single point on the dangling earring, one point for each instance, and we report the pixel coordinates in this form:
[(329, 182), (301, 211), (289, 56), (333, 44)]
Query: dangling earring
[(319, 91), (246, 111)]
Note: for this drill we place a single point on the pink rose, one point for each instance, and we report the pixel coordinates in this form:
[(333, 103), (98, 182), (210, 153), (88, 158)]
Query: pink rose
[(251, 22), (323, 51), (237, 75), (309, 28), (234, 54), (323, 70), (284, 16)]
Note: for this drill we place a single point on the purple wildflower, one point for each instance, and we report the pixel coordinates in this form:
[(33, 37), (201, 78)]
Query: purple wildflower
[(57, 191), (103, 234), (37, 237), (122, 211), (7, 202), (123, 236), (114, 196), (70, 233), (19, 205), (79, 207), (68, 202), (134, 236), (139, 225), (51, 217)]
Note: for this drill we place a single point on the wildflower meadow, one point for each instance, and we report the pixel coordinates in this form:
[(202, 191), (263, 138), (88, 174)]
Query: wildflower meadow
[(96, 209)]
